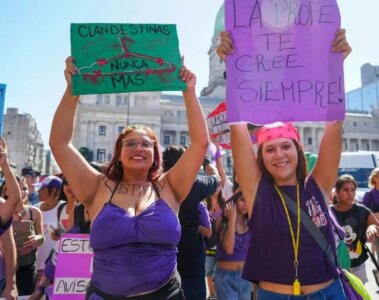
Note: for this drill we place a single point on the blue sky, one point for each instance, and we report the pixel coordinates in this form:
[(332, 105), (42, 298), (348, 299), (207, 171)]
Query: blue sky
[(35, 40)]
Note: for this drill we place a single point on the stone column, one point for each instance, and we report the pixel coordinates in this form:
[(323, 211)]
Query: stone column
[(359, 144), (314, 141), (301, 133)]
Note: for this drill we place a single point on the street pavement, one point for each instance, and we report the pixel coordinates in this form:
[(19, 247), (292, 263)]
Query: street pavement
[(371, 284)]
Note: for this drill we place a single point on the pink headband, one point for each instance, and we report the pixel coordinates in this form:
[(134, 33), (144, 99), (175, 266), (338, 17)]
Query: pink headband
[(276, 130)]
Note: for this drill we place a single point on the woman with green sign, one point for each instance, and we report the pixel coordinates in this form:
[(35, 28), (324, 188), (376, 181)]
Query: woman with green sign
[(134, 206)]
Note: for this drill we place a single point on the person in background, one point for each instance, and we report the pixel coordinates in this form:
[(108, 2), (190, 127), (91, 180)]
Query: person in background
[(214, 204), (371, 201), (191, 252), (32, 177), (8, 252), (8, 266), (67, 195), (226, 184), (14, 194), (27, 229), (49, 204), (233, 242), (359, 223), (78, 223), (133, 208)]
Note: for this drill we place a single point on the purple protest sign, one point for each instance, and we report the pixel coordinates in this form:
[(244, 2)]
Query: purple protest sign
[(74, 267), (282, 67)]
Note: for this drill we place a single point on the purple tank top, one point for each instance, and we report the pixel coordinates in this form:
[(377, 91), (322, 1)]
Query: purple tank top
[(134, 254), (6, 226), (270, 256), (241, 244)]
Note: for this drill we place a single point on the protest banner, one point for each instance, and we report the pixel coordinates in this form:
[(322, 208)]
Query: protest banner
[(74, 267), (218, 128), (123, 58), (282, 67), (2, 100)]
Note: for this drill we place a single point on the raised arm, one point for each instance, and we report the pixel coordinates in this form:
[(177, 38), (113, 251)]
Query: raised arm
[(245, 163), (10, 261), (82, 177), (227, 235), (182, 175), (219, 166), (326, 168), (14, 193)]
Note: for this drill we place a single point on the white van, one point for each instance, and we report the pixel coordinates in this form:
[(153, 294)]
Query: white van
[(359, 165)]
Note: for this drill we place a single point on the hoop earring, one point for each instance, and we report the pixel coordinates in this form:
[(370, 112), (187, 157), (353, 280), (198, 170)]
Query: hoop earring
[(118, 164)]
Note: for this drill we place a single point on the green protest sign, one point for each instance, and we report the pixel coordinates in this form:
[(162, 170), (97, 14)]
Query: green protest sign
[(123, 58)]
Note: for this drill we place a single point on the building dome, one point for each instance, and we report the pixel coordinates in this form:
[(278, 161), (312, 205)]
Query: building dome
[(220, 21)]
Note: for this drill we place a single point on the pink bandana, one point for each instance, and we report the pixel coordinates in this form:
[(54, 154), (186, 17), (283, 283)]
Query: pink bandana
[(276, 130)]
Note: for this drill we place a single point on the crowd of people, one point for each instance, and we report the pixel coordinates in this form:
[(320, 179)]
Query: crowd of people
[(160, 230)]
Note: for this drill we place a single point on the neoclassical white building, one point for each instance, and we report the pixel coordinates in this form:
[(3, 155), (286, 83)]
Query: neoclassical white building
[(101, 117), (25, 145)]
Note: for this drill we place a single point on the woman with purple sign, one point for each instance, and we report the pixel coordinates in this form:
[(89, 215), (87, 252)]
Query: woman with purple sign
[(134, 206), (283, 257)]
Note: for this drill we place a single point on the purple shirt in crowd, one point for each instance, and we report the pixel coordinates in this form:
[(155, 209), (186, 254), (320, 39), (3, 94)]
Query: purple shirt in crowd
[(134, 254), (6, 226), (371, 200), (270, 256), (204, 219), (241, 245)]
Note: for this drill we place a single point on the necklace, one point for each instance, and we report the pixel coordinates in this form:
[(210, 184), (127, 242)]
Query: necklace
[(295, 241), (240, 233), (21, 213)]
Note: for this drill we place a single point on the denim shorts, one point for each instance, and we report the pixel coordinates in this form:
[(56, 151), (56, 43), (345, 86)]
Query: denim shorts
[(210, 265), (230, 286), (332, 292)]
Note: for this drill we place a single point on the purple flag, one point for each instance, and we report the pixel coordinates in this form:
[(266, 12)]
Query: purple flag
[(282, 68)]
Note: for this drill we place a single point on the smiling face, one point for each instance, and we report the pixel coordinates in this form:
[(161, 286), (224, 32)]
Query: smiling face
[(280, 158), (137, 151)]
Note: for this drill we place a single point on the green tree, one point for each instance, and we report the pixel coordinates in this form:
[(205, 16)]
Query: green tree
[(87, 153)]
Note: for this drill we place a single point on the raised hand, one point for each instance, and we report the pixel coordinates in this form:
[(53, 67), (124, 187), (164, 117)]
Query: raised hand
[(188, 77), (226, 45), (70, 69), (340, 44), (3, 153)]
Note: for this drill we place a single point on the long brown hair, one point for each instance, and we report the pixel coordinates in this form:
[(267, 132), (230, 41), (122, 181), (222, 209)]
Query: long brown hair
[(115, 172), (301, 168)]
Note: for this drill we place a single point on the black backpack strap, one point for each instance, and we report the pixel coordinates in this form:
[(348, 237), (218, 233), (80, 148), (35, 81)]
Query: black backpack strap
[(114, 191), (312, 228), (59, 211), (78, 214), (31, 214)]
